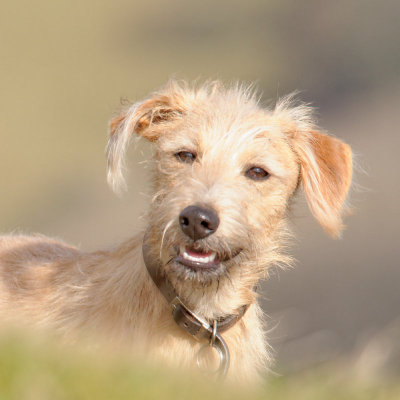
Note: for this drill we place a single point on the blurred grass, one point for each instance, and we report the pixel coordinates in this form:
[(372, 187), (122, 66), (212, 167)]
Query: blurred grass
[(35, 368)]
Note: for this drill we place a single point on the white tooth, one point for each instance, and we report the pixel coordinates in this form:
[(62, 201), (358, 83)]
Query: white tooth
[(204, 260)]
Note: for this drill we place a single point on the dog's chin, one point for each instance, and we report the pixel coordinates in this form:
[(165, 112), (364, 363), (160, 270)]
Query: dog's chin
[(202, 262)]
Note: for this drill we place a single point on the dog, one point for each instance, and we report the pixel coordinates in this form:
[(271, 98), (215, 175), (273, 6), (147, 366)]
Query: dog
[(224, 172)]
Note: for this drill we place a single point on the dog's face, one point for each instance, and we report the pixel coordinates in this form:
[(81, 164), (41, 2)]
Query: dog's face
[(225, 170), (222, 186)]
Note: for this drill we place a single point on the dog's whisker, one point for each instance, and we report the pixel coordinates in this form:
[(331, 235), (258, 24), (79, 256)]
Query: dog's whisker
[(169, 261), (228, 276), (167, 226)]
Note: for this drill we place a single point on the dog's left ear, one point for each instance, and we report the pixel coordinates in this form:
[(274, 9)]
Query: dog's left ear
[(325, 165), (147, 119), (326, 171)]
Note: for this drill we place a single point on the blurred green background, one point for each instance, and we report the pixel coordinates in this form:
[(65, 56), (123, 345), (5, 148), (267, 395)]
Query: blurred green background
[(64, 67)]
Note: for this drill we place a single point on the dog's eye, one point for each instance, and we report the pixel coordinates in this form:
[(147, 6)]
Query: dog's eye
[(257, 174), (185, 156)]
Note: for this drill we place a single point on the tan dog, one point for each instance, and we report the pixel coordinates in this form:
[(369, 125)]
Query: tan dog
[(224, 173)]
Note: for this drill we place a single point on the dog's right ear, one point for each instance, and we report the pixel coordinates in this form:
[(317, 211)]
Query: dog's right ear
[(147, 119)]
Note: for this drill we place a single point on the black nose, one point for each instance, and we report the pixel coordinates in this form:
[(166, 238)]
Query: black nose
[(197, 222)]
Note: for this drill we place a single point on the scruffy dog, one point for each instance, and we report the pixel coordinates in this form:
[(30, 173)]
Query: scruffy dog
[(224, 172)]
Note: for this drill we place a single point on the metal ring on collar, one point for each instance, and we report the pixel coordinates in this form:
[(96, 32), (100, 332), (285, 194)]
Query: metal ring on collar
[(214, 333), (223, 351)]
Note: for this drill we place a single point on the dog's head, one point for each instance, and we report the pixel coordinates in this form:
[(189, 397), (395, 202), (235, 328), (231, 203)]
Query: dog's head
[(225, 171)]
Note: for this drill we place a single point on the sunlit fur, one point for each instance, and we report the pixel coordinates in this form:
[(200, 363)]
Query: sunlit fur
[(110, 293)]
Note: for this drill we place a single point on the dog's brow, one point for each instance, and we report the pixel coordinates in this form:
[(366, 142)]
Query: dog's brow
[(183, 142)]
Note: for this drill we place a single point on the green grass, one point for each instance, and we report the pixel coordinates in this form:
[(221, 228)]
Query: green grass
[(37, 369)]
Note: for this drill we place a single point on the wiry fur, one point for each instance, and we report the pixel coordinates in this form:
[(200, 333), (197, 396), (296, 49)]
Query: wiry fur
[(110, 292)]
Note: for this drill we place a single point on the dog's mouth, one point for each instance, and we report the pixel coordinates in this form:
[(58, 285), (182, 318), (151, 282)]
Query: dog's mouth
[(197, 259), (200, 260)]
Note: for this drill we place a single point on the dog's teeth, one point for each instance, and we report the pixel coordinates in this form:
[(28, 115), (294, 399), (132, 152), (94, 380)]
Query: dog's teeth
[(199, 259)]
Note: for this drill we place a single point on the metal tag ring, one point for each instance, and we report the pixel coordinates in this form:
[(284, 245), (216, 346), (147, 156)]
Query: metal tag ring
[(223, 351), (221, 358)]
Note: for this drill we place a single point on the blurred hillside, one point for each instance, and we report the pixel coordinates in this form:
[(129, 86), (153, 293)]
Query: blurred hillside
[(65, 66)]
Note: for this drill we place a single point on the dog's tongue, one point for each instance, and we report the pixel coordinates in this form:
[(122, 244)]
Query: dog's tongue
[(197, 253)]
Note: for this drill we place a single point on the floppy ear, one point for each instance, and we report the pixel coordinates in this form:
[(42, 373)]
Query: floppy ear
[(325, 171), (325, 165), (147, 119)]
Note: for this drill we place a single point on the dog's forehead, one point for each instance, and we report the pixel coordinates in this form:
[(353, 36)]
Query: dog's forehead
[(211, 125)]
